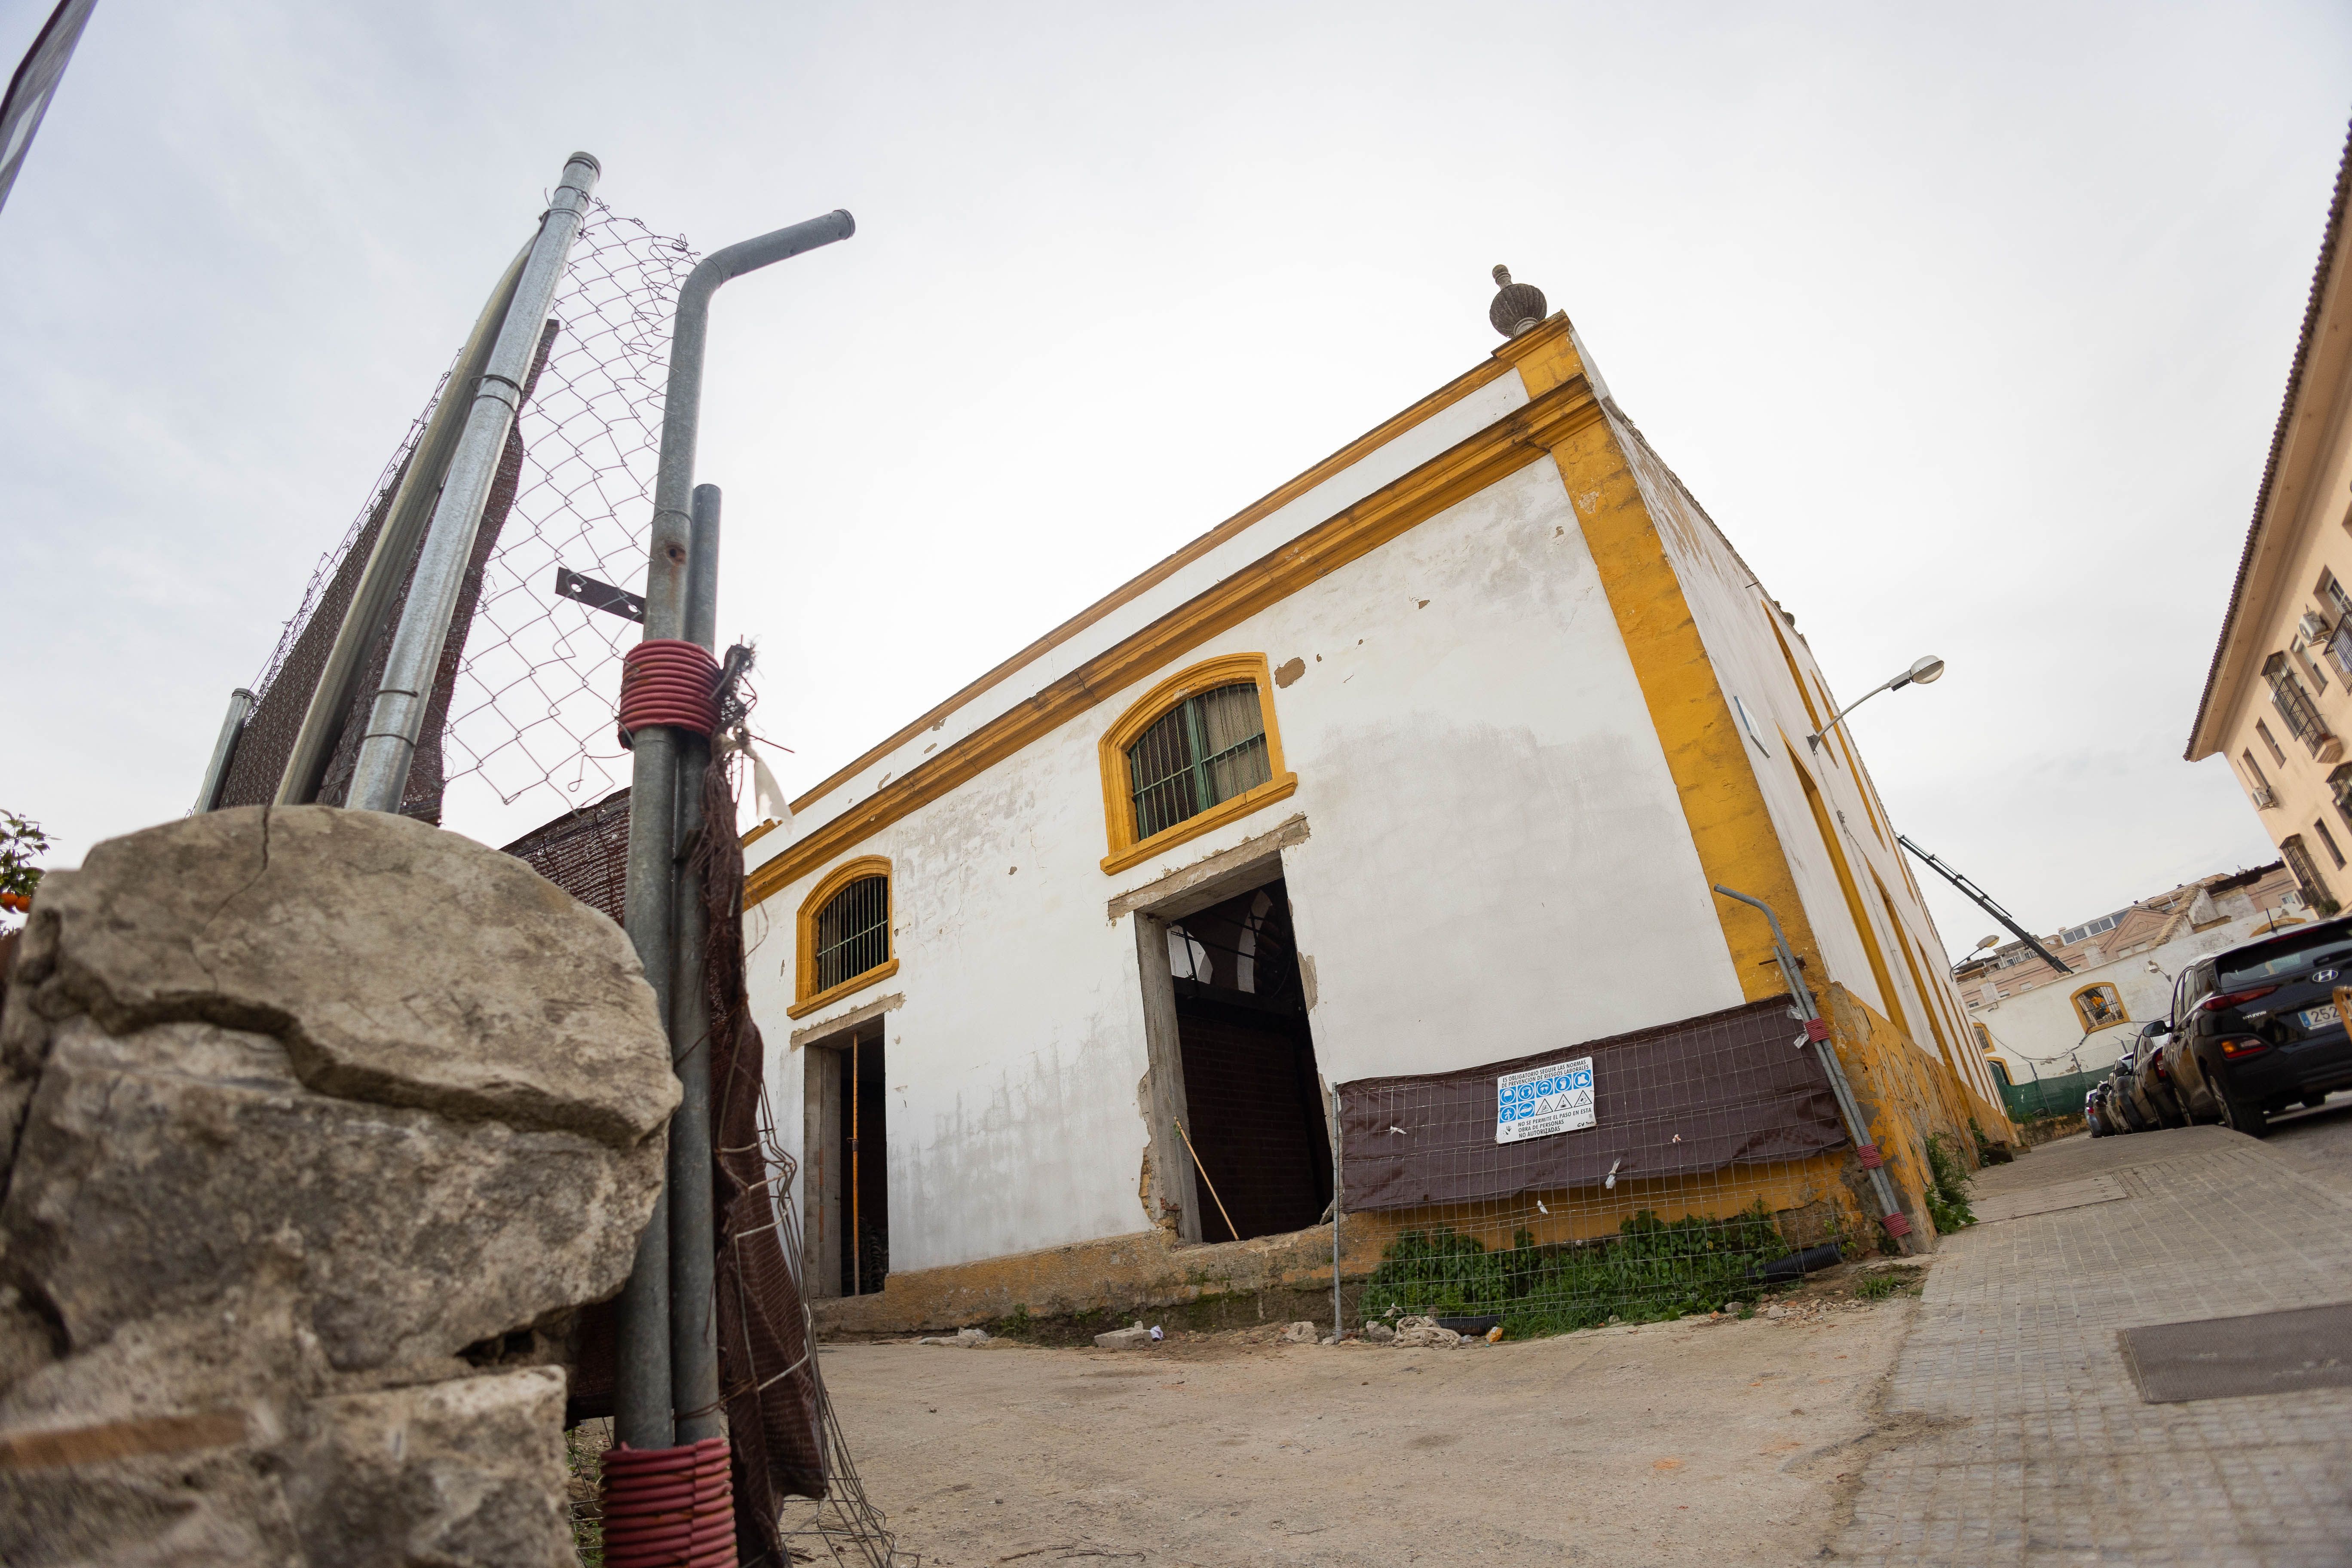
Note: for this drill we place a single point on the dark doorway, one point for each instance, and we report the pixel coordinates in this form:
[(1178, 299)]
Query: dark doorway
[(1256, 1104), (866, 1188)]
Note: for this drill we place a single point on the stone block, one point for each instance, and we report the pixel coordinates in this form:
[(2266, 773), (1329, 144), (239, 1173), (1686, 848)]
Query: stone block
[(395, 962), (1137, 1338), (158, 1167)]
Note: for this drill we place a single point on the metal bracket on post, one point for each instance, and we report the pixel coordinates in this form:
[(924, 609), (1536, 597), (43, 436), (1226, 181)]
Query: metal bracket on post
[(1817, 1032)]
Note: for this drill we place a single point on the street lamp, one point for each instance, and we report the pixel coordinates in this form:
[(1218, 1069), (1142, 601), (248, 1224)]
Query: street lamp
[(1925, 670)]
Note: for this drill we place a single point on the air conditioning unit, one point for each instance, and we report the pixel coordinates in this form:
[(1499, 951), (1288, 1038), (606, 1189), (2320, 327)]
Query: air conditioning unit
[(2263, 798), (2313, 628)]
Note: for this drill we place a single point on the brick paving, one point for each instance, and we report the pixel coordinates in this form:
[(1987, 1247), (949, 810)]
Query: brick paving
[(2012, 1432)]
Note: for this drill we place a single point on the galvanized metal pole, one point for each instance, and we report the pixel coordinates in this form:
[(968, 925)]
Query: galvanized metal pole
[(240, 703), (1338, 1320), (380, 779), (643, 1392), (389, 556), (693, 1228), (1817, 1031)]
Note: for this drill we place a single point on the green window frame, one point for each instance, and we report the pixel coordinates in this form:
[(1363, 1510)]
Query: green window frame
[(1207, 749)]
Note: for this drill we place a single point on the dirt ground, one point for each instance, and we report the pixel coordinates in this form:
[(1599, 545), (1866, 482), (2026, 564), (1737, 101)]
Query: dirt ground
[(1702, 1441)]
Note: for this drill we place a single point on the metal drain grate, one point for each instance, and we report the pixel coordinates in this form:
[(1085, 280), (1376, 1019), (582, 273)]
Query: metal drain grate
[(2222, 1358)]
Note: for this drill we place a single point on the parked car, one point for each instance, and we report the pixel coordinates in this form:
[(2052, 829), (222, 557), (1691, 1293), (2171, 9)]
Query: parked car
[(2150, 1081), (2122, 1106), (2094, 1112), (2258, 1028)]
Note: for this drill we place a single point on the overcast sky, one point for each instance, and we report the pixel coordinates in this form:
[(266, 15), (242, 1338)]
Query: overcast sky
[(1968, 325)]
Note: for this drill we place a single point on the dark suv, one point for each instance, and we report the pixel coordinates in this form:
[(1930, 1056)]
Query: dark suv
[(2255, 1029)]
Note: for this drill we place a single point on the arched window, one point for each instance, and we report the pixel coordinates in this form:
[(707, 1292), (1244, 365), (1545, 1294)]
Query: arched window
[(2098, 1006), (1196, 752), (844, 935)]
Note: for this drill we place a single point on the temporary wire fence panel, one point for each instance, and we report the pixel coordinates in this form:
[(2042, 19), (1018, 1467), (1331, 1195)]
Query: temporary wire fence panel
[(530, 703), (530, 720), (1640, 1176), (2041, 1098)]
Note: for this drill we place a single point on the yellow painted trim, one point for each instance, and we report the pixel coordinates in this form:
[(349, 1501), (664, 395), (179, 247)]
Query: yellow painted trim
[(1265, 506), (1706, 750), (1545, 356), (1788, 655), (1282, 787), (2074, 997), (1119, 808), (1852, 889), (805, 947), (1473, 464), (824, 999), (1854, 766)]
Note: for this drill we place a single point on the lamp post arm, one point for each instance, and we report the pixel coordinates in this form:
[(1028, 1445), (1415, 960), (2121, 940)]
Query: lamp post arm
[(1815, 739)]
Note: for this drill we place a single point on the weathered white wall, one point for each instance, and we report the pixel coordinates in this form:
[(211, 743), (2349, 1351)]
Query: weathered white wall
[(1498, 863), (2039, 1025), (1732, 613), (1399, 456)]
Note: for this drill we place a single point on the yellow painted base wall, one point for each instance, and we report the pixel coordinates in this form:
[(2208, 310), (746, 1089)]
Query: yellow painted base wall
[(1905, 1094)]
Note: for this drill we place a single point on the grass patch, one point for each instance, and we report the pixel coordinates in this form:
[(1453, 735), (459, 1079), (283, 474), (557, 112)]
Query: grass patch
[(1652, 1270), (1878, 1287)]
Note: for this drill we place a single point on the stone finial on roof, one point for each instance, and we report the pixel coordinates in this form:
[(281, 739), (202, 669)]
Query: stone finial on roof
[(1516, 307)]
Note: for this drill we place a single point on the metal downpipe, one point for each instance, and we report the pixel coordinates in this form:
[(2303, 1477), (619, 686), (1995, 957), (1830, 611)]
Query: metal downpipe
[(380, 779), (693, 1224), (644, 1393), (1857, 1128)]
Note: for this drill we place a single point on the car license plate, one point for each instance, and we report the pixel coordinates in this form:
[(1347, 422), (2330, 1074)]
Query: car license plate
[(2320, 1017)]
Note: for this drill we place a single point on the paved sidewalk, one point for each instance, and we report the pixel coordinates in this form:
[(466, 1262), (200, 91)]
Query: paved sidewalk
[(2012, 1432)]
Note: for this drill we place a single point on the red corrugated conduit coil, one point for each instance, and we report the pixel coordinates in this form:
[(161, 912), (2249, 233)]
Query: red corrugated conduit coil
[(668, 681), (669, 1508)]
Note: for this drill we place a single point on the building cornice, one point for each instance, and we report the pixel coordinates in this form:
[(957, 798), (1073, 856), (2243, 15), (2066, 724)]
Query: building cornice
[(1265, 506), (1461, 471), (2252, 584)]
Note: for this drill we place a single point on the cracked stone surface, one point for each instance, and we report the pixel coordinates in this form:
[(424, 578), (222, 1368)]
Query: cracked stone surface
[(315, 1126), (396, 962)]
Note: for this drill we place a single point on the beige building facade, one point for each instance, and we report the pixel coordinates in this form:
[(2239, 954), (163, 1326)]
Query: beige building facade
[(2278, 700)]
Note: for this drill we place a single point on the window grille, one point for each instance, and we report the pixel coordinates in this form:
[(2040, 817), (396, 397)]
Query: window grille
[(2340, 635), (2306, 874), (2100, 1006), (2328, 841), (2339, 788), (853, 931), (2294, 703), (1208, 748)]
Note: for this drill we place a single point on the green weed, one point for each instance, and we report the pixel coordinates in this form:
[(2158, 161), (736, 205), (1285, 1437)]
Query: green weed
[(1651, 1270), (1948, 1190)]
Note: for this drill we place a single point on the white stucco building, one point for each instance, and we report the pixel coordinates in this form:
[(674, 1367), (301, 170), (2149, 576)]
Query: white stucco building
[(2038, 1024), (1425, 760)]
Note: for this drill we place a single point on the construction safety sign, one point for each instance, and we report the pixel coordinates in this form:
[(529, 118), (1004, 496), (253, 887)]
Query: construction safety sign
[(1543, 1100)]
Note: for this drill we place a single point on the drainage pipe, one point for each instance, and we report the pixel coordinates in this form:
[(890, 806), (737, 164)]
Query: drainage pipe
[(1817, 1031), (240, 703), (693, 1230), (643, 1395), (380, 779)]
